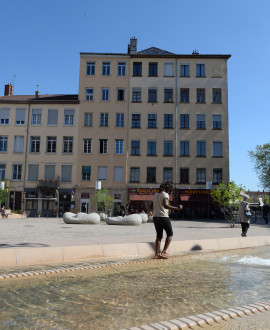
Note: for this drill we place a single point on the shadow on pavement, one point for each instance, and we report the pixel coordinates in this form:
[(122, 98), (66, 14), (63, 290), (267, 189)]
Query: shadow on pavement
[(18, 245)]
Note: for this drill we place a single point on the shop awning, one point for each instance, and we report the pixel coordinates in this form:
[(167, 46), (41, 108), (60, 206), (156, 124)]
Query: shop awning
[(141, 197)]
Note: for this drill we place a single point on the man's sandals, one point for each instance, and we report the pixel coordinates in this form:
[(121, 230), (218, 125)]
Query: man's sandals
[(163, 255)]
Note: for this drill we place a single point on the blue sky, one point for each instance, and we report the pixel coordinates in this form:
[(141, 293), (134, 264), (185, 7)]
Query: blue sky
[(41, 42)]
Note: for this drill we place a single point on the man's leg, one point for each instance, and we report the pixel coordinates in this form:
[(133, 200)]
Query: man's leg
[(157, 247), (166, 245), (169, 232)]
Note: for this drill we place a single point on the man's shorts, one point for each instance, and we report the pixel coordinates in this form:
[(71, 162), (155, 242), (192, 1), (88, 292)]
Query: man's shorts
[(163, 223)]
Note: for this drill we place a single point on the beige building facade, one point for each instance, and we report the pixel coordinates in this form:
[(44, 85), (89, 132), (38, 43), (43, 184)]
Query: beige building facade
[(175, 124), (140, 118), (38, 152)]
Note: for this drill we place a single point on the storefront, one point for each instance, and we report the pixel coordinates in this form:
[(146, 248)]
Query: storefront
[(197, 202), (139, 199)]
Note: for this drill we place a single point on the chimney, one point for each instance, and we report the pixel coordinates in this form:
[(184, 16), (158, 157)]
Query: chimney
[(37, 92), (8, 90), (132, 47)]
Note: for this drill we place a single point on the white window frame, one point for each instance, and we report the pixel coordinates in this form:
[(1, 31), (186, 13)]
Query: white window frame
[(20, 117), (88, 119), (3, 143), (89, 94), (121, 69), (4, 116), (87, 146), (105, 94), (51, 140), (119, 146), (90, 68), (103, 146), (67, 144), (36, 117), (18, 143), (16, 172), (69, 115), (35, 144)]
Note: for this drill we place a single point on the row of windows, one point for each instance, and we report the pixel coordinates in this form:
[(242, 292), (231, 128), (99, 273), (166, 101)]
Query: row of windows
[(34, 145), (66, 173), (51, 143), (168, 175), (138, 69), (168, 96), (36, 116), (33, 169), (168, 149), (152, 120), (184, 121)]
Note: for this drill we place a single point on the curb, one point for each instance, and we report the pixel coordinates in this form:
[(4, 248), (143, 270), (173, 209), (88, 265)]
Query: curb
[(206, 318), (11, 257)]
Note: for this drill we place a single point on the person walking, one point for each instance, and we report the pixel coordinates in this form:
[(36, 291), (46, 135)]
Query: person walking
[(266, 209), (242, 217), (3, 212), (160, 208)]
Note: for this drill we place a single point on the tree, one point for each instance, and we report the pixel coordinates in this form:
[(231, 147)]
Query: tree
[(3, 195), (261, 159), (228, 197), (103, 200)]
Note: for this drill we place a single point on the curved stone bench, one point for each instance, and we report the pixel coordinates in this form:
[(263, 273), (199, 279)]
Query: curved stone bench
[(128, 220), (81, 218), (103, 216), (144, 217)]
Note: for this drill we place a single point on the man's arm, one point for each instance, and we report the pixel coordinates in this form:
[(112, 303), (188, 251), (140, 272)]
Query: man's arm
[(169, 207)]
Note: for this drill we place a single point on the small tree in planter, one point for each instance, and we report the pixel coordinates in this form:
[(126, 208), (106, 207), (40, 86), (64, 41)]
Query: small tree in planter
[(3, 196), (103, 200), (228, 197)]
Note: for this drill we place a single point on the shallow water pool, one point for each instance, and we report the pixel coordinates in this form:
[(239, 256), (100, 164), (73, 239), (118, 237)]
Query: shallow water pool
[(119, 297)]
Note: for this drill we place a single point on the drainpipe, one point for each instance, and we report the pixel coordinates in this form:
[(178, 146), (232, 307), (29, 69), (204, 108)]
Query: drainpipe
[(26, 155), (127, 143), (176, 128)]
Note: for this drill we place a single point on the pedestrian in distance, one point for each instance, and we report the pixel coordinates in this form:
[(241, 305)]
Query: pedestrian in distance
[(160, 210), (266, 209), (242, 216), (3, 212)]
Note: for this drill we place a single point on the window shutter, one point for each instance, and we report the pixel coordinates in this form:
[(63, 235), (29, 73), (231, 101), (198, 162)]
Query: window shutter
[(52, 117)]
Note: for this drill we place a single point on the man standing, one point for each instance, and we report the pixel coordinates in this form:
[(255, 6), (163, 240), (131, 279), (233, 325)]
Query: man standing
[(161, 207)]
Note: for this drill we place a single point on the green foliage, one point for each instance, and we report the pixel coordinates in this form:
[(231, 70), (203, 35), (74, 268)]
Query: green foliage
[(228, 197), (3, 196), (103, 200), (261, 159)]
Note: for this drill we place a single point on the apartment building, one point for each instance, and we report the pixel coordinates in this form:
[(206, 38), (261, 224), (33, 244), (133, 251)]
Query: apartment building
[(155, 116), (140, 118), (103, 127), (38, 151)]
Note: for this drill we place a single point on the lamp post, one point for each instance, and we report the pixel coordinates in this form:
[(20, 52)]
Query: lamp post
[(208, 187), (98, 187)]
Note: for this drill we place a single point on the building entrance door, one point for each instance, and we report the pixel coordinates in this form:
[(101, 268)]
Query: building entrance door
[(85, 207)]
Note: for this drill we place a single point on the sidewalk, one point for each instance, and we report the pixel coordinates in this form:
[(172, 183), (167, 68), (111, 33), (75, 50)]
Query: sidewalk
[(49, 240)]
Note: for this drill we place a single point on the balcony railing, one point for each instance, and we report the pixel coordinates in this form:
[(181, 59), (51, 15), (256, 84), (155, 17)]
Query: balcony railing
[(48, 183)]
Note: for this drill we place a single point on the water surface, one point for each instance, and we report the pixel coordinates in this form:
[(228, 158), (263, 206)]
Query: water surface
[(119, 297)]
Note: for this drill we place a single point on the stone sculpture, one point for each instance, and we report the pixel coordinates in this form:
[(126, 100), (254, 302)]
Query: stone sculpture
[(144, 217), (128, 220), (81, 218), (103, 216)]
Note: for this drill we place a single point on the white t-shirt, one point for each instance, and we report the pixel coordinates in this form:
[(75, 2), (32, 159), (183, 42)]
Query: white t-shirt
[(158, 207)]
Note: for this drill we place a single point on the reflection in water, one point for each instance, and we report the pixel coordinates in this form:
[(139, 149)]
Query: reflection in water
[(124, 296)]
